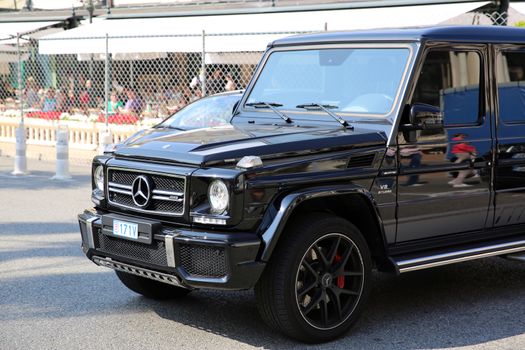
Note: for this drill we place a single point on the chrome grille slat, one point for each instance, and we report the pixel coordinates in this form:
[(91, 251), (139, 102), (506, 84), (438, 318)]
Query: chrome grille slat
[(117, 190), (168, 191), (117, 185), (163, 198)]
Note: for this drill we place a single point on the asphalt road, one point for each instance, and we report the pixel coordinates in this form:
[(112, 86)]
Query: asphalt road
[(51, 297)]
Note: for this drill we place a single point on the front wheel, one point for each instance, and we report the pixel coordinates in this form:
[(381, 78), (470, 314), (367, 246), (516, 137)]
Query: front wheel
[(317, 281)]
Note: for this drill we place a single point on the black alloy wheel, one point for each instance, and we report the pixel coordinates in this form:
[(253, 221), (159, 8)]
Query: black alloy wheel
[(329, 281), (317, 280)]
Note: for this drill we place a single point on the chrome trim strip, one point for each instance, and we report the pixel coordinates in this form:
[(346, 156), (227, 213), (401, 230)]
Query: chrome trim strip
[(170, 250), (116, 190), (168, 193), (451, 258), (516, 257), (89, 229), (163, 198), (139, 271), (162, 213), (116, 184)]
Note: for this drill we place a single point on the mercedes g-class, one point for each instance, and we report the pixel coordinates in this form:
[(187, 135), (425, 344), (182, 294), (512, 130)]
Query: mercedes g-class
[(394, 150)]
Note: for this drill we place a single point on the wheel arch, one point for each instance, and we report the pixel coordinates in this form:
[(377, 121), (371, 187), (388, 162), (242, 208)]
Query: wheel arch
[(353, 203)]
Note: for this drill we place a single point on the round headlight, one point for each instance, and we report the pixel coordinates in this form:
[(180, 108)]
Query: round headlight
[(218, 196), (98, 177)]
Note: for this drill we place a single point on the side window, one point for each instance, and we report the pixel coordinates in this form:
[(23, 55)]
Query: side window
[(511, 87), (450, 80)]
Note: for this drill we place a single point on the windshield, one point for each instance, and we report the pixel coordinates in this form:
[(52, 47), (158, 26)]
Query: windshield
[(350, 80), (206, 112)]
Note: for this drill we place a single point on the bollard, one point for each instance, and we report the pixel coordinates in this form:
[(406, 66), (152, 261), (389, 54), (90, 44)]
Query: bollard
[(62, 165), (106, 141), (20, 149)]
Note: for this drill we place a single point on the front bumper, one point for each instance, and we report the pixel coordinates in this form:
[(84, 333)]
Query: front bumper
[(177, 256)]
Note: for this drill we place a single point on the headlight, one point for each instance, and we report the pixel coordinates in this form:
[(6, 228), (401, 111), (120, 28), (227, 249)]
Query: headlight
[(98, 177), (218, 196)]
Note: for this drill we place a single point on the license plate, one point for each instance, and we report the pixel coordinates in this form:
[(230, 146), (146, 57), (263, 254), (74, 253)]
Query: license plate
[(125, 229)]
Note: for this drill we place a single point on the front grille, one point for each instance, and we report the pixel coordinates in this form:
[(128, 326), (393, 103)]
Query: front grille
[(153, 254), (167, 184), (167, 192), (203, 261)]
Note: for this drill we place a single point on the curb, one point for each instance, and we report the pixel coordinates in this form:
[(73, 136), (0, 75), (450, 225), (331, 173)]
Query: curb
[(47, 153)]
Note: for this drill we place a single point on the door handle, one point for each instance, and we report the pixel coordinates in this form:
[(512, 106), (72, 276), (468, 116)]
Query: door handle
[(480, 164)]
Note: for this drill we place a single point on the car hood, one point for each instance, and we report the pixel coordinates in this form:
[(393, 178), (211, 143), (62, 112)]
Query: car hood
[(229, 143)]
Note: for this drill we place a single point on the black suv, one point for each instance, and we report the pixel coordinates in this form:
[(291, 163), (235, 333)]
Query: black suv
[(394, 150)]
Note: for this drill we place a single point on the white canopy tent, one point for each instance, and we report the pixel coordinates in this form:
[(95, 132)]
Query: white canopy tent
[(56, 4), (516, 12), (27, 30), (183, 34), (9, 30)]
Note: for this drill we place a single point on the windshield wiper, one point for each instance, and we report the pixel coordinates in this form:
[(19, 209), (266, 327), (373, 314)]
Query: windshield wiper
[(272, 106), (325, 108)]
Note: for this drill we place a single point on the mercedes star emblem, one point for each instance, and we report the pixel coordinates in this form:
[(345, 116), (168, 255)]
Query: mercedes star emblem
[(141, 191)]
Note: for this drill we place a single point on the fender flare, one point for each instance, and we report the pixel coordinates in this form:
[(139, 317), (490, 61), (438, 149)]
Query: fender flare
[(290, 202)]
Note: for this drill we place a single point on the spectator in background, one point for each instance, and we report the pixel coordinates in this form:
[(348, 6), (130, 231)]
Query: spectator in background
[(92, 94), (63, 103), (169, 89), (133, 104), (31, 93), (88, 98), (3, 91), (197, 94), (49, 101), (230, 84), (114, 105), (6, 91), (73, 101), (216, 83)]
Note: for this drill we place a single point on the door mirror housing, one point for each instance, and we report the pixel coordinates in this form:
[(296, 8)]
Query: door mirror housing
[(420, 116), (424, 116)]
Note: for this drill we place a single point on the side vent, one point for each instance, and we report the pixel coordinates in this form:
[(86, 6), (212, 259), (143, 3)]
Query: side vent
[(361, 161)]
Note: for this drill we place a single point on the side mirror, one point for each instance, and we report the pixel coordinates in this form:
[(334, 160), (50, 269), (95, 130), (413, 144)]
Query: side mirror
[(424, 116), (420, 116)]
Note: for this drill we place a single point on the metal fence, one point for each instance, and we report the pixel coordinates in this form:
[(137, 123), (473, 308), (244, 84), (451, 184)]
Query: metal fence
[(119, 87)]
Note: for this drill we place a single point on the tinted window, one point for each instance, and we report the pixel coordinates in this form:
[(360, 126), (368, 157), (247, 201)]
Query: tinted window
[(450, 80), (511, 87)]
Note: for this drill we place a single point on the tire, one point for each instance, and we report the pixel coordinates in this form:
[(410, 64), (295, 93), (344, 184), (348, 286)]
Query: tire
[(149, 288), (299, 293)]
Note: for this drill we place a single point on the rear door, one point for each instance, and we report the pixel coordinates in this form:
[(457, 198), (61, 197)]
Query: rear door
[(510, 165)]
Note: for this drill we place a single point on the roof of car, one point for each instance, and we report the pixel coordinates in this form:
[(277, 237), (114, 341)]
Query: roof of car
[(480, 34)]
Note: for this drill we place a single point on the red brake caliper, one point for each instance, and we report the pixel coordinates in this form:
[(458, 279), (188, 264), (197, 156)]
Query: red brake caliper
[(340, 279)]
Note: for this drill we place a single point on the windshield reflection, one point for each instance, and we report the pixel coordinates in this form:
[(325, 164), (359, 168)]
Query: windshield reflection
[(358, 81)]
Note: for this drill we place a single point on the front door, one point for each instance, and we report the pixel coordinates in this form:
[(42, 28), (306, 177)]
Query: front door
[(444, 171)]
